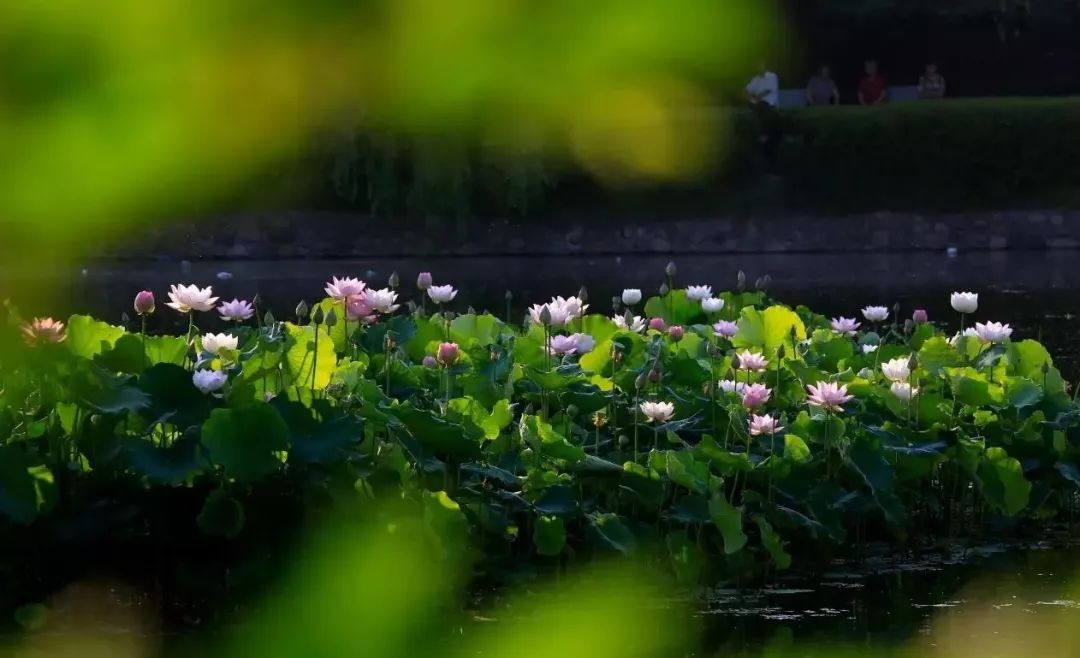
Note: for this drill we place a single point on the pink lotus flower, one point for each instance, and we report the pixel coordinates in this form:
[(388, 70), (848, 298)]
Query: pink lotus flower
[(561, 345), (828, 395), (447, 354), (725, 329), (343, 289), (920, 316), (423, 280), (658, 324), (676, 332), (357, 309), (844, 326), (42, 331), (583, 342), (755, 395), (752, 361), (144, 303), (236, 310), (763, 425)]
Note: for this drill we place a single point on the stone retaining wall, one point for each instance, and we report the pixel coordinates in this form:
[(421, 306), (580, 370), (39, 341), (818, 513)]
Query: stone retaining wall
[(338, 235)]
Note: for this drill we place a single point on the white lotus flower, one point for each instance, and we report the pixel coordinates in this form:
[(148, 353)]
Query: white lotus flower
[(964, 302), (442, 294), (637, 323), (698, 293), (712, 304), (382, 300), (236, 310), (875, 313), (186, 299), (904, 391), (343, 289), (574, 307), (896, 370), (993, 332), (631, 296), (583, 342), (967, 333), (208, 381), (558, 314), (560, 345), (869, 348), (214, 343), (658, 412), (731, 386)]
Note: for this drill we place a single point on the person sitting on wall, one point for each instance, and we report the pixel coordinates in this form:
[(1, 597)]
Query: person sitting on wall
[(763, 94), (931, 83), (873, 87), (821, 90)]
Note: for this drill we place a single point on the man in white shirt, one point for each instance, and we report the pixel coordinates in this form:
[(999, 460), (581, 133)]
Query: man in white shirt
[(764, 87), (763, 92)]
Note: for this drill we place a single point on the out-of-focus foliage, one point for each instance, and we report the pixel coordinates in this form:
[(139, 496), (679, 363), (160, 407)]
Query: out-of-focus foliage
[(115, 111)]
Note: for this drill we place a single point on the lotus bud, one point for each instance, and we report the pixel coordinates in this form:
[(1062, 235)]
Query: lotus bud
[(735, 361), (144, 302), (269, 318), (780, 352), (654, 375), (545, 315), (470, 311), (423, 280), (411, 305), (896, 309), (1045, 367), (527, 453), (766, 281), (642, 380), (571, 410), (318, 316), (616, 301), (913, 363), (759, 284), (394, 281), (256, 300), (124, 318), (670, 270), (664, 290), (430, 362), (624, 440), (583, 294), (920, 316), (740, 281), (909, 325), (493, 355), (676, 333), (657, 324), (301, 310), (447, 354), (449, 315)]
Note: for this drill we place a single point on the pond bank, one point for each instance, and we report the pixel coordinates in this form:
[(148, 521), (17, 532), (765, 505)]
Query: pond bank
[(325, 234)]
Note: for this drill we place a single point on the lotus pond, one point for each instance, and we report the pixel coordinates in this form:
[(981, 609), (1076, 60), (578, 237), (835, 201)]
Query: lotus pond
[(727, 436)]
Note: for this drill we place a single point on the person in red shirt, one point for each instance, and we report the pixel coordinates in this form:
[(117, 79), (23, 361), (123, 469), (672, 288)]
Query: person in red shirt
[(873, 87)]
